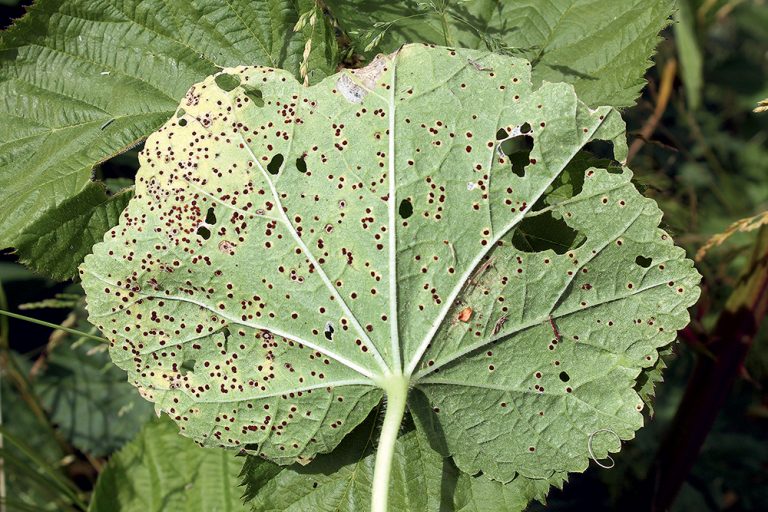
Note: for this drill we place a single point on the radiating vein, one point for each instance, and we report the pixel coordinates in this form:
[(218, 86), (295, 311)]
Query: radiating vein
[(311, 258), (235, 320), (481, 254)]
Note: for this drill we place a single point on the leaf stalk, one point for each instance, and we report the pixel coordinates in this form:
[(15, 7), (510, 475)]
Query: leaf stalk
[(396, 387)]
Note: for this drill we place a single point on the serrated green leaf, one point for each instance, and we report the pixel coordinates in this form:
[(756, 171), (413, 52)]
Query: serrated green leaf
[(87, 397), (160, 471), (422, 481), (283, 264), (481, 494), (602, 48), (341, 481), (56, 243), (76, 93)]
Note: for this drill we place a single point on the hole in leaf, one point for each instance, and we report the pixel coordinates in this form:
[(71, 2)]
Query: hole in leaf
[(406, 208), (329, 331), (180, 113), (301, 165), (603, 150), (501, 134), (226, 333), (643, 261), (204, 232), (227, 82), (543, 232), (210, 216), (255, 96), (188, 366), (518, 150), (525, 128), (182, 122), (564, 377), (570, 182), (274, 165)]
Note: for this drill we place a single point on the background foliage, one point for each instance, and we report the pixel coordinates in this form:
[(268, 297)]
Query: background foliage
[(696, 147)]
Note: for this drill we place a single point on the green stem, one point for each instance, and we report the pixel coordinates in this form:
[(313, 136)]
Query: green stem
[(64, 485), (9, 368), (446, 30), (396, 387), (53, 326)]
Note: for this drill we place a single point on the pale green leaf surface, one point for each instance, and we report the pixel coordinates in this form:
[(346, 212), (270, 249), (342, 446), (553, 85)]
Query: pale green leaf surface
[(293, 248), (611, 315), (160, 471), (602, 48), (56, 243), (83, 80)]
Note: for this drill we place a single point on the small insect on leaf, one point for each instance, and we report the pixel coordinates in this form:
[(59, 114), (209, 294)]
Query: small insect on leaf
[(499, 324)]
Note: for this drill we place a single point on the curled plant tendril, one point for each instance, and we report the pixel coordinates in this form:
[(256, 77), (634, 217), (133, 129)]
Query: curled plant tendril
[(611, 463)]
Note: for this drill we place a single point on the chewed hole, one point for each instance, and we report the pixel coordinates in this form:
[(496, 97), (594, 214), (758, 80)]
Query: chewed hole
[(564, 377), (518, 150), (603, 149), (545, 232), (227, 82), (406, 208), (182, 122), (180, 113), (328, 331), (643, 261), (255, 96), (210, 216), (274, 165), (571, 180), (501, 134), (204, 232), (301, 165), (525, 128), (187, 366)]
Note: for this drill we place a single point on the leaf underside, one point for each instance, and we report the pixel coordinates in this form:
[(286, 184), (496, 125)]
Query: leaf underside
[(82, 81), (288, 248)]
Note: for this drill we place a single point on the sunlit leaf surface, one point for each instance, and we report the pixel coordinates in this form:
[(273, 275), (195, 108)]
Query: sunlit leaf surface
[(289, 248)]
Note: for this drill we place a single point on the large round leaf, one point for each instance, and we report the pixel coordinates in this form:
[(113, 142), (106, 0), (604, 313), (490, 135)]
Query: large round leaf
[(290, 248)]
